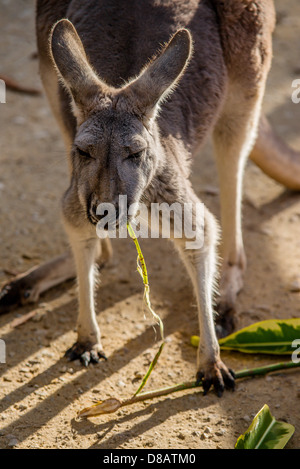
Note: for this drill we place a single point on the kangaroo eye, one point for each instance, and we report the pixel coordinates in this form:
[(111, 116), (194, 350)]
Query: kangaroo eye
[(134, 156), (84, 154)]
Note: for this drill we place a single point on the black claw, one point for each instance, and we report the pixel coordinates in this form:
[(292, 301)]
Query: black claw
[(219, 387), (199, 378), (10, 298), (94, 357), (74, 352), (228, 379), (229, 382), (85, 359), (70, 354), (102, 355), (206, 383), (16, 292), (225, 320)]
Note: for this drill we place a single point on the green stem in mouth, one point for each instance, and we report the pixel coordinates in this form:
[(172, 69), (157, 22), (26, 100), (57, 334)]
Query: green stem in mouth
[(142, 269)]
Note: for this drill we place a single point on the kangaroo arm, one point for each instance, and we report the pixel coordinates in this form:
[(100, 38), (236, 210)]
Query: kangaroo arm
[(275, 158)]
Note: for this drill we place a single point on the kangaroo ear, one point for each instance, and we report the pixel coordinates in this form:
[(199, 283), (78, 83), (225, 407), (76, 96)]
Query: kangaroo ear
[(72, 64), (160, 77)]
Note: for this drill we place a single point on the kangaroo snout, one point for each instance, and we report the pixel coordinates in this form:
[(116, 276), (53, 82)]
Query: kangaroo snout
[(106, 214), (98, 211)]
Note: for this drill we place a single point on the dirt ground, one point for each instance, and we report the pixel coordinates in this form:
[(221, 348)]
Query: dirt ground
[(41, 392)]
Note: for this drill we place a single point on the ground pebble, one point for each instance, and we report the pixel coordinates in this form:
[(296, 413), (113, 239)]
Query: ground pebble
[(96, 391), (294, 286), (7, 379), (246, 418), (12, 441), (207, 430), (21, 407), (221, 432)]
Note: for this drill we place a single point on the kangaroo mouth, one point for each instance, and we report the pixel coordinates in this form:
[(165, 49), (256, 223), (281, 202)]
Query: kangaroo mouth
[(106, 222), (92, 219)]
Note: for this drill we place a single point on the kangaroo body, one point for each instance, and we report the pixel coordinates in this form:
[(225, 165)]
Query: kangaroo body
[(107, 91)]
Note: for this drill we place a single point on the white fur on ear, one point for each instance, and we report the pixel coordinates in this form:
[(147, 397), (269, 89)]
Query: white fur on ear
[(161, 75), (76, 112), (73, 68)]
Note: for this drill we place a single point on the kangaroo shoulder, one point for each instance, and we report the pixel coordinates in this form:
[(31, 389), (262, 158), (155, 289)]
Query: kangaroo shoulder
[(246, 28)]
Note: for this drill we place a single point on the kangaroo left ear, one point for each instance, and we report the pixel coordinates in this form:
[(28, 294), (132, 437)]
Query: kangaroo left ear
[(72, 64), (159, 78)]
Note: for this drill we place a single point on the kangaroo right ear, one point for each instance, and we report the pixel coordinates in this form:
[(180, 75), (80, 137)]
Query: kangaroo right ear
[(160, 77), (72, 64)]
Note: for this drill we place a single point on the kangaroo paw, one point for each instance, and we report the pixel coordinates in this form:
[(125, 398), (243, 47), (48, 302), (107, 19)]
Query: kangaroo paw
[(216, 374), (87, 353), (17, 292)]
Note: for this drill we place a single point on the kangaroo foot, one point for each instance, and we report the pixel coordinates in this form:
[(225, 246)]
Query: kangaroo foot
[(216, 374), (86, 352)]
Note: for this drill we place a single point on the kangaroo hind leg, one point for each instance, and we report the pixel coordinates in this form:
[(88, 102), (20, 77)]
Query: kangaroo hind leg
[(234, 136)]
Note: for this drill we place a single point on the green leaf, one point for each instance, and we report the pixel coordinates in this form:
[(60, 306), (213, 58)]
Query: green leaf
[(265, 432), (274, 336)]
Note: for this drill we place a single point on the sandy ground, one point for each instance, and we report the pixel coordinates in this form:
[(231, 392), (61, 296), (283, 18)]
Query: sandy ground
[(40, 391)]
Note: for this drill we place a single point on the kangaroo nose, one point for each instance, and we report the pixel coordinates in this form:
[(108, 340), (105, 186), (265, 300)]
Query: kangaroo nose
[(96, 215), (113, 217)]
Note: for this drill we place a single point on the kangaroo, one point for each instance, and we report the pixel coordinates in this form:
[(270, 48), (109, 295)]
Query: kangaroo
[(133, 113)]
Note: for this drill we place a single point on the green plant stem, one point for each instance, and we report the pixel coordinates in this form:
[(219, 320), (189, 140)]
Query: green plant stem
[(142, 269), (112, 405), (152, 365), (192, 384), (266, 369)]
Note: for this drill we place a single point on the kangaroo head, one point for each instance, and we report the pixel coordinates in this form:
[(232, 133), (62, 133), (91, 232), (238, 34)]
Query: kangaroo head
[(116, 150)]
